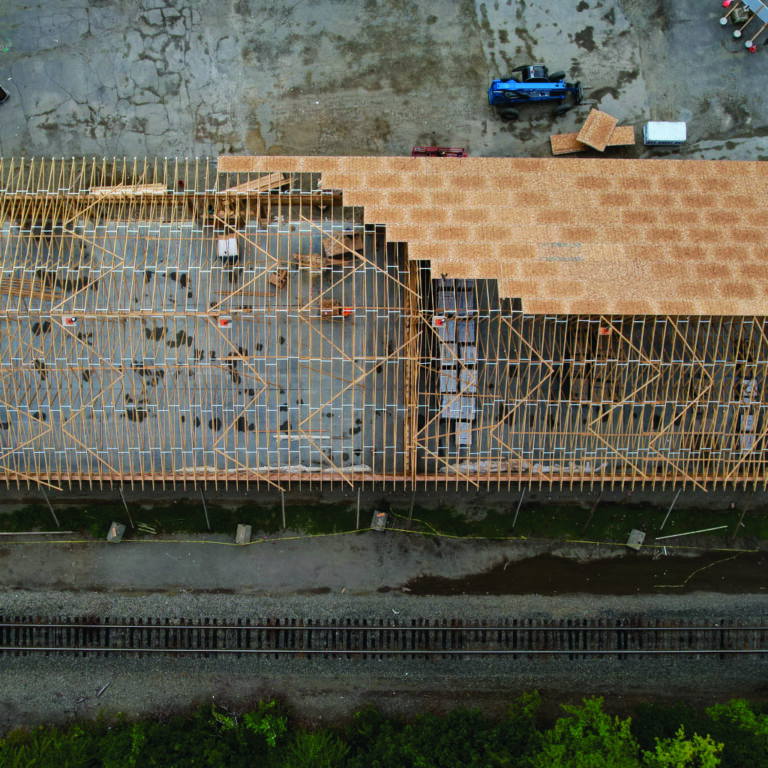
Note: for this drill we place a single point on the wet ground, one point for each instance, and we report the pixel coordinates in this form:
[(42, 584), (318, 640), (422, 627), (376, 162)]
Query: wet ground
[(743, 573), (360, 565), (149, 77)]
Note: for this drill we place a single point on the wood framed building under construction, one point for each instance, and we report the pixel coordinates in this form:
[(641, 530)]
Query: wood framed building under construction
[(477, 322)]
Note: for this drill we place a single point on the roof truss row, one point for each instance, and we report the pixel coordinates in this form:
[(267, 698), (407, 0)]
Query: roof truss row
[(267, 321)]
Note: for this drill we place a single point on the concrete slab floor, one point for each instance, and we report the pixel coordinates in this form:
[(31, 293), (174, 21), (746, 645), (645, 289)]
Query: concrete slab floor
[(148, 77)]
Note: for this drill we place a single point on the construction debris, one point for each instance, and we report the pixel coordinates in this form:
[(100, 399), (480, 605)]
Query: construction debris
[(342, 246), (315, 261), (331, 309), (278, 278)]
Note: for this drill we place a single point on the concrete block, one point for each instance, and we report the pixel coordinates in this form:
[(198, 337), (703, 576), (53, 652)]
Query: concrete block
[(243, 535), (379, 521), (116, 531), (227, 248), (636, 539)]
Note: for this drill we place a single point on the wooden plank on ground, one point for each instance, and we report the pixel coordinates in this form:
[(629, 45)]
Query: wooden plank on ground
[(597, 130), (565, 143), (259, 184)]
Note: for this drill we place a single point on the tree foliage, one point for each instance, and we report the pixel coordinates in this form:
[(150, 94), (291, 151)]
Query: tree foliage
[(733, 735), (697, 752), (587, 738)]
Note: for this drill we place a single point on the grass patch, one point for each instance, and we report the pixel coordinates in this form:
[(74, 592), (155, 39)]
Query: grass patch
[(181, 516), (610, 522)]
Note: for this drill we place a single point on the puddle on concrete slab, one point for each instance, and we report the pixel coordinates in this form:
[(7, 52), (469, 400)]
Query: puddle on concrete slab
[(628, 575)]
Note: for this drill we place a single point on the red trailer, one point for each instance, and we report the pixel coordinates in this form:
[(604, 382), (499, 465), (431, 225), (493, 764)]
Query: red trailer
[(438, 152)]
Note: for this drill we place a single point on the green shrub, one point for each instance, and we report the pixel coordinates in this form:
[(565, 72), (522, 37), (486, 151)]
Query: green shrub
[(315, 749), (587, 738)]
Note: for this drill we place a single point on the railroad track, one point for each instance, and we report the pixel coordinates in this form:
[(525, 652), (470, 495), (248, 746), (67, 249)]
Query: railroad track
[(367, 638)]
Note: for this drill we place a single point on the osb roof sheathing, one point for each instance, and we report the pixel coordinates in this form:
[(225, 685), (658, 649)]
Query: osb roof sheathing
[(570, 235)]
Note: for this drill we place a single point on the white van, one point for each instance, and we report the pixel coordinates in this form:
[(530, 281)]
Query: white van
[(664, 134)]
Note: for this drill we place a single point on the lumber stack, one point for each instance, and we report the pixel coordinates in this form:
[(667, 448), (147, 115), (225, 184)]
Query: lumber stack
[(264, 183)]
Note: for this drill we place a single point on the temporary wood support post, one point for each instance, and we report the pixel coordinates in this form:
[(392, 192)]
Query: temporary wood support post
[(517, 511), (205, 509), (357, 520), (45, 496), (591, 514), (741, 519), (669, 511), (125, 505)]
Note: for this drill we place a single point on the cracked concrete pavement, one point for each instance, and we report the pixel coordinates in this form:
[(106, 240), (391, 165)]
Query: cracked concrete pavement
[(145, 77)]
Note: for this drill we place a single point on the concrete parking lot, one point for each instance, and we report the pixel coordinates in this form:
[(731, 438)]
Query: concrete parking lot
[(148, 77)]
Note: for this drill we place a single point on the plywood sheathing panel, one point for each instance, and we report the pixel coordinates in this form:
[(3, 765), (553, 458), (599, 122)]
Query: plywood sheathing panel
[(600, 235), (121, 190), (596, 131), (566, 143)]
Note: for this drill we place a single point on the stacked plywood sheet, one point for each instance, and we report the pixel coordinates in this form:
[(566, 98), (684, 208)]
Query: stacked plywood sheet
[(567, 143), (598, 132), (597, 129)]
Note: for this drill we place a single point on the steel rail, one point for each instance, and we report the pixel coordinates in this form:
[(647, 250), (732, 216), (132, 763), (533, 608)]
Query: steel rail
[(378, 638), (394, 628), (390, 651)]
